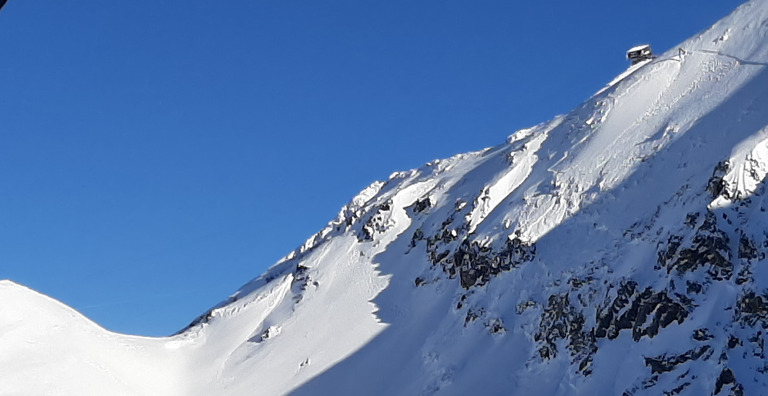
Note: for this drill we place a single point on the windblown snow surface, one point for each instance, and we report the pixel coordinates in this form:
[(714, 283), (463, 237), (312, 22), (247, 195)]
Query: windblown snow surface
[(619, 249)]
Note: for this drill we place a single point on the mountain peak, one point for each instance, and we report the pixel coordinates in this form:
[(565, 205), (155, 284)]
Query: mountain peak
[(617, 249)]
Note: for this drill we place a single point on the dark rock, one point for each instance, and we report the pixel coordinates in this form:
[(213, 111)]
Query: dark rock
[(744, 275), (577, 283), (664, 363), (692, 287), (560, 320), (607, 324), (421, 205), (747, 248), (477, 263), (726, 377), (265, 335), (378, 222), (752, 309), (495, 326), (460, 304), (733, 342), (702, 335), (663, 309), (716, 185), (709, 247), (691, 219), (677, 390), (418, 235), (473, 315)]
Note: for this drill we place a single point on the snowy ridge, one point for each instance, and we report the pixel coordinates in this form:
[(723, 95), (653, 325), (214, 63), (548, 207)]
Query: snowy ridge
[(617, 249), (49, 348)]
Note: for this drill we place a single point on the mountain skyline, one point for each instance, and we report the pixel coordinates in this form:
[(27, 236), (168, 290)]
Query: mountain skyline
[(618, 248), (158, 155)]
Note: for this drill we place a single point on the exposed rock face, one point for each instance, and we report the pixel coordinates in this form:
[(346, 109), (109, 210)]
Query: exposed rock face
[(664, 363), (708, 248), (752, 310), (561, 320), (646, 312), (477, 263), (617, 249), (378, 222), (579, 258)]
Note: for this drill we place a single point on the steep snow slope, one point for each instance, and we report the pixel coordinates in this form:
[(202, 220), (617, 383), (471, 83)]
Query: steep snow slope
[(618, 249)]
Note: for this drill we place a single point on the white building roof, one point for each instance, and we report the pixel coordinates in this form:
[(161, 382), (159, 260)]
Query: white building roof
[(639, 47)]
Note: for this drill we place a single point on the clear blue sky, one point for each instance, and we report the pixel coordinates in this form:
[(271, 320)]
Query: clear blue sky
[(156, 155)]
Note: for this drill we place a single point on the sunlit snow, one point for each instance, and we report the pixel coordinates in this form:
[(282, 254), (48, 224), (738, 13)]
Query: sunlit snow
[(385, 301)]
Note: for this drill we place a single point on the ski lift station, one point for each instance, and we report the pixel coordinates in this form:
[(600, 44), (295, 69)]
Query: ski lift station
[(640, 53)]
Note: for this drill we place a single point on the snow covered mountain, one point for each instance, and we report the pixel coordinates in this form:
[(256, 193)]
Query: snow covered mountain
[(619, 249)]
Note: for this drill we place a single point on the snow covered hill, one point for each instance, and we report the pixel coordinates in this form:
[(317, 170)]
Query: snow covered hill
[(619, 249)]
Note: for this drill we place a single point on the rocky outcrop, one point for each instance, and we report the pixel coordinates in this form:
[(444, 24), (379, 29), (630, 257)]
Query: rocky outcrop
[(378, 222), (561, 320), (752, 310), (726, 377), (666, 363), (477, 262), (643, 312), (631, 310), (708, 248)]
